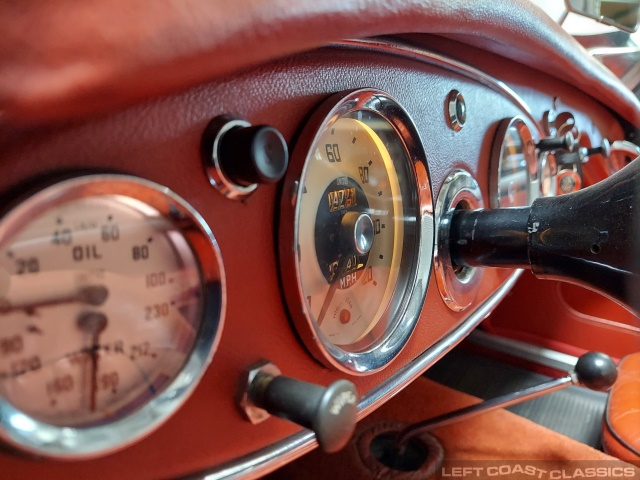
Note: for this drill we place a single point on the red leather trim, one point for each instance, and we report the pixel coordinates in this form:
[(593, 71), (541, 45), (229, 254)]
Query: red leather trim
[(160, 141), (621, 435), (545, 318), (64, 58)]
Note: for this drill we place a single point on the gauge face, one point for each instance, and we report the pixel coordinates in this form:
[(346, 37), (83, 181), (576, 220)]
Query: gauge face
[(102, 300), (513, 165), (357, 232), (351, 230)]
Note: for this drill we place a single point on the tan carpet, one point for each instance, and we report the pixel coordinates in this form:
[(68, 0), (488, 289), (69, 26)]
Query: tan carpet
[(497, 445)]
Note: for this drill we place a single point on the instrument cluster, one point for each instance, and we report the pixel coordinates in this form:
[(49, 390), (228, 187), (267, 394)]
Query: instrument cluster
[(113, 292)]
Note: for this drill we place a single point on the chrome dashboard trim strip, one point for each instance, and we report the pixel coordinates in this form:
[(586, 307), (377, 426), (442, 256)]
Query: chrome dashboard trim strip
[(404, 50), (411, 371), (613, 51), (270, 458)]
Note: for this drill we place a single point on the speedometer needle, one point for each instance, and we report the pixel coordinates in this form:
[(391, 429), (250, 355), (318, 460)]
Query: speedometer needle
[(327, 301), (94, 295), (333, 286)]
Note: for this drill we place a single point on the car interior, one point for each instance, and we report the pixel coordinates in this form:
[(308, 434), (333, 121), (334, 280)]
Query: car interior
[(283, 239)]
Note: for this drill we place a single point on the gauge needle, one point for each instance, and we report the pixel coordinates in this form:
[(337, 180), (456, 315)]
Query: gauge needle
[(327, 301), (93, 324), (94, 295), (333, 286)]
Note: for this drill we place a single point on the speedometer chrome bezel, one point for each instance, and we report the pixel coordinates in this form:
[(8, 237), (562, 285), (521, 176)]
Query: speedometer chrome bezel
[(28, 434), (408, 304)]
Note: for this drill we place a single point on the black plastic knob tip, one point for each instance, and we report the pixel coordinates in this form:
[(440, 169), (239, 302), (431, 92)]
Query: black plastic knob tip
[(596, 370), (604, 149), (256, 154), (329, 411), (566, 142)]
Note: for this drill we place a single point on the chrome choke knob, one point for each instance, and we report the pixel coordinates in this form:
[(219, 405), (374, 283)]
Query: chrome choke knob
[(238, 156)]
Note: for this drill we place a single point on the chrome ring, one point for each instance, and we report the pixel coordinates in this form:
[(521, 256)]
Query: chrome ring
[(217, 177), (458, 289)]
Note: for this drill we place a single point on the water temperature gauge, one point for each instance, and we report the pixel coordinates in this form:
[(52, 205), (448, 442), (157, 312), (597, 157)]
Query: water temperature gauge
[(111, 301), (358, 235)]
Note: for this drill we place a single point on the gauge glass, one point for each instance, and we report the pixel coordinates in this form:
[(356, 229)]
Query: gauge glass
[(102, 299), (548, 172), (513, 165), (357, 233), (348, 288)]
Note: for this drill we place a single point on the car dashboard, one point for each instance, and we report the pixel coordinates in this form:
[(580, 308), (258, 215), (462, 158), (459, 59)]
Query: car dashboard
[(135, 121)]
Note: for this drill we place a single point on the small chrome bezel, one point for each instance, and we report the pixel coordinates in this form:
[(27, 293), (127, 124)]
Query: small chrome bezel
[(457, 289), (529, 152), (73, 443), (455, 100), (211, 158), (408, 304)]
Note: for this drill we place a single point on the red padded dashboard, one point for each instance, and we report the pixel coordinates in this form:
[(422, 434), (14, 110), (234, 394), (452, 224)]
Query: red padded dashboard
[(129, 86), (159, 140), (62, 59)]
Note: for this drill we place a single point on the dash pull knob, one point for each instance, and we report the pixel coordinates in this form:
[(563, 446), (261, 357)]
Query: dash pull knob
[(256, 154), (329, 411)]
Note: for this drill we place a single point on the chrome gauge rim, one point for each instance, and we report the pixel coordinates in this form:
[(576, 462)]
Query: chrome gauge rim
[(500, 190), (34, 435), (548, 174), (390, 334)]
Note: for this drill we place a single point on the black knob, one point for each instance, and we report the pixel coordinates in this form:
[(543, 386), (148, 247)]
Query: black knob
[(566, 142), (604, 149), (329, 411), (256, 154), (596, 370)]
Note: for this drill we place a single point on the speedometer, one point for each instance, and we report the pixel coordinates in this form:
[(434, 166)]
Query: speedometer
[(358, 235), (110, 307)]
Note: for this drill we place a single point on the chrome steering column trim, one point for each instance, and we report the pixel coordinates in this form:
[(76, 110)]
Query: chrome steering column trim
[(278, 454), (458, 287)]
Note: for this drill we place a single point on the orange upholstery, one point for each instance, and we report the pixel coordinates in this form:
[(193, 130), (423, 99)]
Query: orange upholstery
[(494, 438), (621, 432)]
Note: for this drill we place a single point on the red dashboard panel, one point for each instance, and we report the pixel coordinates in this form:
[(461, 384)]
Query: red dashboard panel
[(160, 141)]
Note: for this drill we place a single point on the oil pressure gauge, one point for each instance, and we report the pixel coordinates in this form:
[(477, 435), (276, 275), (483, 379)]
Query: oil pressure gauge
[(111, 303), (357, 236)]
